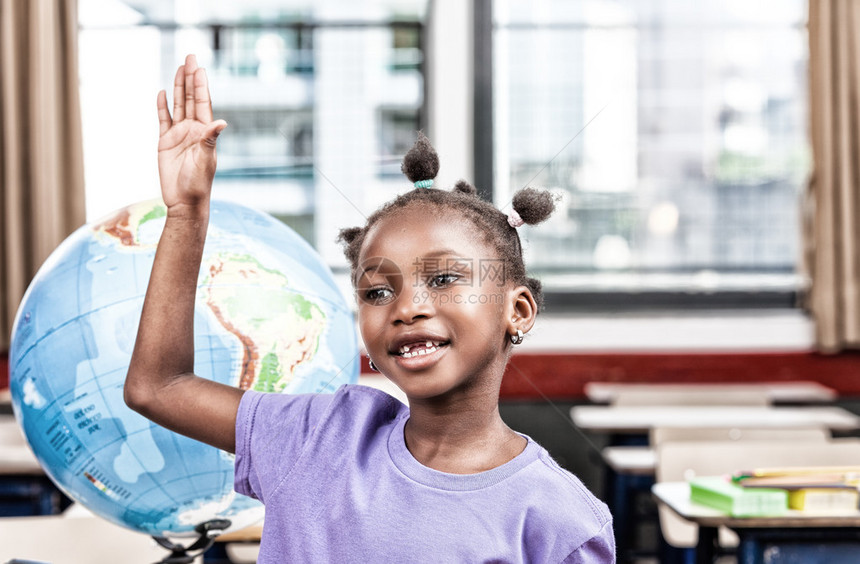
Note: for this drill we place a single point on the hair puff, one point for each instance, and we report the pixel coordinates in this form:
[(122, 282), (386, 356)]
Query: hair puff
[(421, 162), (533, 206), (464, 187), (347, 236)]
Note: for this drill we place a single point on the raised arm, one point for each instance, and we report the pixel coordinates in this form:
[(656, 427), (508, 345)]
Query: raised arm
[(161, 384)]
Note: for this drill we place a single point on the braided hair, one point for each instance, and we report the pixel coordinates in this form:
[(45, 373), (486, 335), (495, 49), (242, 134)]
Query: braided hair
[(420, 165)]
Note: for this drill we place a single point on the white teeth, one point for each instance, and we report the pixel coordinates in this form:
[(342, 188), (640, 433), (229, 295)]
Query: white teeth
[(420, 352), (425, 348)]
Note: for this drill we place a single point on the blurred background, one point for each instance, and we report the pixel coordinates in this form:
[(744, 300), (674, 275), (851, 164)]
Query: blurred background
[(705, 155), (676, 133)]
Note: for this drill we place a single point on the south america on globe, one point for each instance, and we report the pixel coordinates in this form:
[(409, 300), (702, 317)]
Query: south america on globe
[(268, 316)]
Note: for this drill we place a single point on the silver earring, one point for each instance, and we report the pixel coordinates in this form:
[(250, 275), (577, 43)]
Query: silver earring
[(518, 338), (372, 366)]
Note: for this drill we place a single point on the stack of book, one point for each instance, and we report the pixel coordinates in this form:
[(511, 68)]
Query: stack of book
[(831, 490), (817, 489)]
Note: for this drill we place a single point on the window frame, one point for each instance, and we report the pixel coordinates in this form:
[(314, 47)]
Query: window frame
[(593, 299)]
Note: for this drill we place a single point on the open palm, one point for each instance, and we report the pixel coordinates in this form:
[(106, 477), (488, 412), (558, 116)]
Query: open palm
[(186, 144)]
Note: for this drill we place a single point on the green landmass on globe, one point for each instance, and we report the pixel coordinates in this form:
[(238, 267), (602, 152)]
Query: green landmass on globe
[(285, 328), (268, 317)]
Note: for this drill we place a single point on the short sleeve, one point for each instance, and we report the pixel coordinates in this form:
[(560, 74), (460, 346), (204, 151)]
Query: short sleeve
[(271, 432), (599, 549)]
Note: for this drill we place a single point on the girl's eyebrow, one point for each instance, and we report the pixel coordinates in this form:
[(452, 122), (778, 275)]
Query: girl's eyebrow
[(443, 259), (372, 268), (442, 252), (378, 264)]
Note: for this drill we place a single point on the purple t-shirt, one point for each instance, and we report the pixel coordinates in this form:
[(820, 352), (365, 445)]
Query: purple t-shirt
[(340, 485)]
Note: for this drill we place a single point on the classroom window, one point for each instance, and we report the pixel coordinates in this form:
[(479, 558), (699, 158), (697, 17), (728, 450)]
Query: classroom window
[(675, 133), (320, 98)]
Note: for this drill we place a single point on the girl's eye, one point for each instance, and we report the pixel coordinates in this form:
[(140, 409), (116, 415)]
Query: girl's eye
[(445, 279), (376, 296)]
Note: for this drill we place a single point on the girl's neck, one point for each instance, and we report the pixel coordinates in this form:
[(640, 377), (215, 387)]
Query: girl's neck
[(461, 438)]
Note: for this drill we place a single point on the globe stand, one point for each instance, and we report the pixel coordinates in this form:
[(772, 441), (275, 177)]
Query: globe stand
[(179, 554)]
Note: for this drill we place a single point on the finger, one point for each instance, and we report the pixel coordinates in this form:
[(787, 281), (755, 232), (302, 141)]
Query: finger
[(164, 121), (210, 136), (179, 94), (202, 102), (190, 68)]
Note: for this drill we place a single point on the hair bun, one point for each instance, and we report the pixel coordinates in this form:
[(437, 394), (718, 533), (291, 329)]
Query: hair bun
[(421, 162), (463, 187), (533, 205)]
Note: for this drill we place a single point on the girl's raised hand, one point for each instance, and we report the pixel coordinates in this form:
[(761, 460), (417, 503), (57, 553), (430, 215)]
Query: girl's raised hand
[(186, 143), (161, 383)]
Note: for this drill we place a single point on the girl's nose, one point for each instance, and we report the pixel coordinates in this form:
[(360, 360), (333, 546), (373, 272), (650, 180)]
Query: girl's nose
[(414, 302)]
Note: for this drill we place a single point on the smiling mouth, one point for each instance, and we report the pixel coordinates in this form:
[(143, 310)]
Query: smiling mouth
[(421, 348)]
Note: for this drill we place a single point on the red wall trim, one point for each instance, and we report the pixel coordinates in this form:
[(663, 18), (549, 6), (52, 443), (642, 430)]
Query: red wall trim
[(560, 376), (564, 375)]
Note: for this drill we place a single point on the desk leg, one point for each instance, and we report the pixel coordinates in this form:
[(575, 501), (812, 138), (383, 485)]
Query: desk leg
[(706, 546), (623, 491), (750, 550), (613, 495), (619, 506), (619, 492)]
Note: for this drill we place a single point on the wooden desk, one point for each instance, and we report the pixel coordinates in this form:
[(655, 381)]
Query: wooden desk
[(777, 392), (239, 546), (248, 534), (25, 489), (19, 460), (797, 535), (632, 469), (75, 540), (15, 455), (641, 419)]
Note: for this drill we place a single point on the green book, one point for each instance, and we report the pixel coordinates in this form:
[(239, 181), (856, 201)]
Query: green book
[(720, 493)]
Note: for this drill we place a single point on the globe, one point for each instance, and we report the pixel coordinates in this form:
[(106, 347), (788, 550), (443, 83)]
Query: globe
[(268, 316)]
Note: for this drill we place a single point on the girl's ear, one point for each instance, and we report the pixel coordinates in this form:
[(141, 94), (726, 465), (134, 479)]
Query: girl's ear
[(523, 310)]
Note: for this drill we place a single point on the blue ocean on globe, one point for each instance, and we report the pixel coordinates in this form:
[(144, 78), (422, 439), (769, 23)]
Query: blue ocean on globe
[(268, 317)]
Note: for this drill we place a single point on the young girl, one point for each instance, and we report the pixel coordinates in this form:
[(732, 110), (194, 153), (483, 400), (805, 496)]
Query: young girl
[(356, 476)]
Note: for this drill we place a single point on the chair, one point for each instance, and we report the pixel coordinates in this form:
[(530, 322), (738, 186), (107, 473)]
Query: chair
[(680, 461)]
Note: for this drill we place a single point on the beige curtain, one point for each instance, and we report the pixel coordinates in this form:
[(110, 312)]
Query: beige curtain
[(41, 163), (832, 226)]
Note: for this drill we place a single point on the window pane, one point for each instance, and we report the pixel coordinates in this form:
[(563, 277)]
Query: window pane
[(675, 132), (320, 100)]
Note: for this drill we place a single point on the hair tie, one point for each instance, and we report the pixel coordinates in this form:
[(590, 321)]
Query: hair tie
[(514, 219), (424, 183)]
